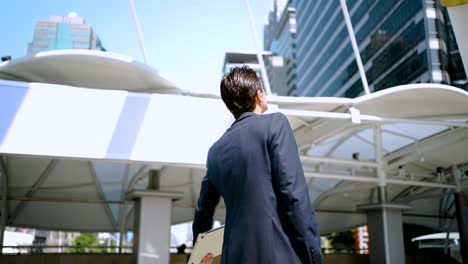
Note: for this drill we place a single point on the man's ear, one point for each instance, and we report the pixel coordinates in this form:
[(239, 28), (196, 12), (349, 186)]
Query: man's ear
[(259, 97)]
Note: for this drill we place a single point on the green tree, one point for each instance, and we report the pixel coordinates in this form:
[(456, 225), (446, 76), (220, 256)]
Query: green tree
[(342, 242), (84, 240)]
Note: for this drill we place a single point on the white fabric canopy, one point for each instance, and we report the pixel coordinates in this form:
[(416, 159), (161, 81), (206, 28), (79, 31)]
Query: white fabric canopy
[(87, 68), (71, 154)]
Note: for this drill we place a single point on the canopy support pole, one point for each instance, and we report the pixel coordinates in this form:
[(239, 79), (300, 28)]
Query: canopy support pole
[(379, 155), (352, 37), (384, 219), (4, 205), (138, 31), (456, 178), (266, 82), (152, 222), (381, 190), (386, 244), (123, 208), (461, 205), (123, 223), (461, 211)]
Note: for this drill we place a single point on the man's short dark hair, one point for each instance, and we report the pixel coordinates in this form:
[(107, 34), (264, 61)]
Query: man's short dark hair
[(239, 88)]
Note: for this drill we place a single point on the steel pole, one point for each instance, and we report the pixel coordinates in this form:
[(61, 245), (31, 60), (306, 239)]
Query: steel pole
[(4, 205), (259, 55), (138, 31), (352, 37)]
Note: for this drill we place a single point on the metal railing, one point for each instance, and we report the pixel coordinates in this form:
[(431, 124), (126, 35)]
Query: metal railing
[(72, 249), (69, 249)]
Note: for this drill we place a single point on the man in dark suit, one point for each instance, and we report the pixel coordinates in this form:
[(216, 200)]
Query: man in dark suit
[(255, 167)]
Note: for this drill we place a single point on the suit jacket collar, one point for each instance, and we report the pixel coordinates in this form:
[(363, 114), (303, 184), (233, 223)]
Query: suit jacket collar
[(244, 116)]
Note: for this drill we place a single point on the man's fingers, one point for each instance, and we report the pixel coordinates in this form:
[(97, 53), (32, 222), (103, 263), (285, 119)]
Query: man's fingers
[(208, 259)]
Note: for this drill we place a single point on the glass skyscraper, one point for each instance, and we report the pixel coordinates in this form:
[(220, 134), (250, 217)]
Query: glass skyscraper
[(63, 32), (401, 42), (280, 40)]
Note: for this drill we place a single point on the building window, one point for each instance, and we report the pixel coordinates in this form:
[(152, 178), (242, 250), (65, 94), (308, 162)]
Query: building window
[(85, 36)]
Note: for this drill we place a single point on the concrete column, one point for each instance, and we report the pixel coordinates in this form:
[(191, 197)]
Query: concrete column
[(152, 226), (385, 227), (461, 203)]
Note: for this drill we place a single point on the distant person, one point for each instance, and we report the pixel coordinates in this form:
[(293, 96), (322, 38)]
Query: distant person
[(181, 249), (255, 167)]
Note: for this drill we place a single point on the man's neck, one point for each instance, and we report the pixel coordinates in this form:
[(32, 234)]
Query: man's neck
[(258, 110)]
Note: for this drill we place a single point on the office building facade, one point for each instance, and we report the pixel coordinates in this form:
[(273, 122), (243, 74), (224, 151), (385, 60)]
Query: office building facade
[(400, 41), (280, 40), (238, 59), (63, 32)]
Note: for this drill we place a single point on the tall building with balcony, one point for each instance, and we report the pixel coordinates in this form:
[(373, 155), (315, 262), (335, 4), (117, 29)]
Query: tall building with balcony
[(237, 59), (400, 41), (63, 32), (280, 40)]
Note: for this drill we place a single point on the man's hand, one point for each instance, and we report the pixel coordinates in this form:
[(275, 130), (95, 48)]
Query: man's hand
[(208, 259)]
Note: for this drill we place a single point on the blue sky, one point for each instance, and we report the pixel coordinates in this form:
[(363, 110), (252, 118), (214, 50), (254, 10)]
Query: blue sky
[(185, 39)]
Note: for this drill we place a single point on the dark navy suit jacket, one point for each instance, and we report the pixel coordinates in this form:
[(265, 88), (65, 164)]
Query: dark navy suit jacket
[(255, 167)]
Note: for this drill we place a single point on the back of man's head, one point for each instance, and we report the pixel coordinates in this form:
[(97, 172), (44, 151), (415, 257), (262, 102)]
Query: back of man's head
[(239, 88)]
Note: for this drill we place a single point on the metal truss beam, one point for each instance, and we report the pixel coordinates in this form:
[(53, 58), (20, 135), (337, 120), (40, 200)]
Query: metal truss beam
[(351, 163), (371, 118), (375, 180), (102, 196), (40, 180), (137, 176), (415, 151)]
